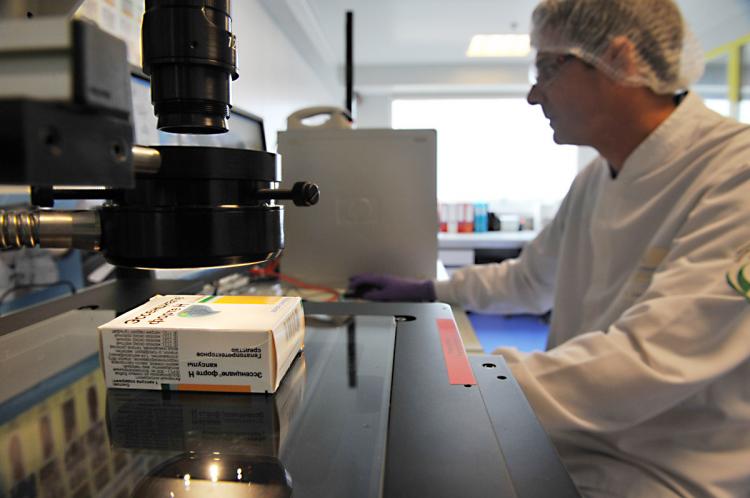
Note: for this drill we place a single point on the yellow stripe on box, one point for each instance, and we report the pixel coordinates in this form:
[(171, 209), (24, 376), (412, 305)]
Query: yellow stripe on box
[(246, 300)]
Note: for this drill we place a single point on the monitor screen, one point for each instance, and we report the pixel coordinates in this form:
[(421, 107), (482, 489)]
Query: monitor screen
[(246, 130)]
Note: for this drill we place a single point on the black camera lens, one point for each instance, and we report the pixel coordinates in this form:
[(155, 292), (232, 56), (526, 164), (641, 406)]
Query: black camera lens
[(190, 53)]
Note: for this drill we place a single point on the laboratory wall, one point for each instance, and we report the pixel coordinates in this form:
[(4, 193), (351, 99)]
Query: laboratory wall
[(373, 111), (487, 77), (377, 86), (275, 80)]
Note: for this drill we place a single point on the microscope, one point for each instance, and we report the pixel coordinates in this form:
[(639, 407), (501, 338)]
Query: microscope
[(67, 133)]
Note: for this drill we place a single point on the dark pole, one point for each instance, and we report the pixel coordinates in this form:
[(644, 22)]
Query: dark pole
[(349, 63)]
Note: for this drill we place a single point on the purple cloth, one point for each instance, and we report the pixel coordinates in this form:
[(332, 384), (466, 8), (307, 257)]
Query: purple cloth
[(377, 287)]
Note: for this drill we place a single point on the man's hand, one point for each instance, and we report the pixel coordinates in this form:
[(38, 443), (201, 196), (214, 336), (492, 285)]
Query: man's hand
[(376, 287)]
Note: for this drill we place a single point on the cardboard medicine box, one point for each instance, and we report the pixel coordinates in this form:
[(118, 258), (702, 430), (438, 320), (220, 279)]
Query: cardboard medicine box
[(203, 343)]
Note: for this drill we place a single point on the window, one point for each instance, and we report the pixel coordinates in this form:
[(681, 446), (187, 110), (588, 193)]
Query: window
[(725, 85), (713, 86), (492, 149)]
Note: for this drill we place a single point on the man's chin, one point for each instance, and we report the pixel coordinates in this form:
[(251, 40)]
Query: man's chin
[(559, 138), (562, 139)]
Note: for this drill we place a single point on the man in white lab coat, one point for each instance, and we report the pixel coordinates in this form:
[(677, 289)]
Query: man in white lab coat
[(645, 386)]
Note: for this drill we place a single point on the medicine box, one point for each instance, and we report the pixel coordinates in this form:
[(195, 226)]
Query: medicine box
[(203, 343)]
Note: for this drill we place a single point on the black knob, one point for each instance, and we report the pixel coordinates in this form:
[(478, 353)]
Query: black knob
[(301, 193), (305, 194)]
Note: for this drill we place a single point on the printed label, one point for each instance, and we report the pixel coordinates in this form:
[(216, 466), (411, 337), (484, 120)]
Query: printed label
[(141, 357), (224, 358)]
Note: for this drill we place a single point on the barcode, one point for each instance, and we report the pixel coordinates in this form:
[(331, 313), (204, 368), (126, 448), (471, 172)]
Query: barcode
[(292, 325)]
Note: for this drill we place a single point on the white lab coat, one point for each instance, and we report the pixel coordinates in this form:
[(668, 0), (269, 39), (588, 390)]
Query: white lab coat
[(645, 387)]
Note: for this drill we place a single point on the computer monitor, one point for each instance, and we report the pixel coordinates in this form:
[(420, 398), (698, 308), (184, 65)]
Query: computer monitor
[(378, 204), (246, 130)]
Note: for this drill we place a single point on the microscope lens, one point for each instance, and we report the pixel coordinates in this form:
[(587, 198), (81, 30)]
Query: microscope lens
[(190, 53)]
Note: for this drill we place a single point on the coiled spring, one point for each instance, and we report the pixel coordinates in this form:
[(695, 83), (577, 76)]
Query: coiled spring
[(18, 229)]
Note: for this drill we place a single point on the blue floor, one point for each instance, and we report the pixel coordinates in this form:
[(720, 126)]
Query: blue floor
[(523, 332)]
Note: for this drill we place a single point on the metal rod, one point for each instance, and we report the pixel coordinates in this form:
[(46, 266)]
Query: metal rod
[(84, 193), (146, 160), (66, 229)]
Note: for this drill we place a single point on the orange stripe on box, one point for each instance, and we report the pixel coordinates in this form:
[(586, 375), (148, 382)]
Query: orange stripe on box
[(456, 361), (247, 300), (211, 387)]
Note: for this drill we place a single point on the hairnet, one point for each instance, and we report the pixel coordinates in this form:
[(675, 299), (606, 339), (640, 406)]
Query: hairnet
[(667, 57)]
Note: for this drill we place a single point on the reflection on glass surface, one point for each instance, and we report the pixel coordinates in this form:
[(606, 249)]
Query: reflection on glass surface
[(205, 422), (713, 87), (57, 444), (322, 433), (193, 475)]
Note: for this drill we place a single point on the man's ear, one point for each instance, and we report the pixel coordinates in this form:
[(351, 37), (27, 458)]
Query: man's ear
[(621, 56)]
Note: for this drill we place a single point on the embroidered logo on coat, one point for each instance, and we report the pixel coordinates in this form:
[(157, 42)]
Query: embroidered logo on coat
[(738, 275), (641, 277)]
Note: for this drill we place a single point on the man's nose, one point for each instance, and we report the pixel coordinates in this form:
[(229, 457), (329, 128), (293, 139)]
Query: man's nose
[(534, 97)]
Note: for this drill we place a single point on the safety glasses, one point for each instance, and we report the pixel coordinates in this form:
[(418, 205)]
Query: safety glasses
[(547, 67)]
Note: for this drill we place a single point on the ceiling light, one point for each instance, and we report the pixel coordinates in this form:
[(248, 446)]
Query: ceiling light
[(514, 45)]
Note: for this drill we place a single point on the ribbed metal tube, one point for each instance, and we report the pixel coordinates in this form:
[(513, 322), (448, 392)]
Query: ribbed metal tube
[(18, 229), (50, 228)]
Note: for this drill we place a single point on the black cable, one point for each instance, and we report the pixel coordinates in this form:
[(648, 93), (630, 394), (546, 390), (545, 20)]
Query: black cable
[(8, 292)]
